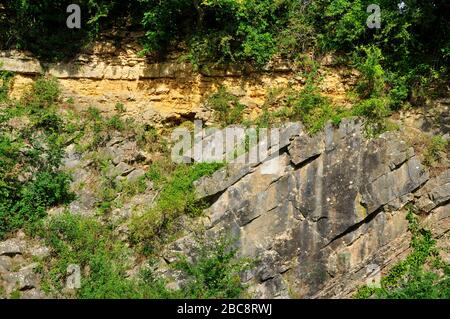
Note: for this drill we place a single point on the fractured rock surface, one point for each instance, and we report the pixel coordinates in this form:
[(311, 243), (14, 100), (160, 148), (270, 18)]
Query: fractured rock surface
[(334, 207)]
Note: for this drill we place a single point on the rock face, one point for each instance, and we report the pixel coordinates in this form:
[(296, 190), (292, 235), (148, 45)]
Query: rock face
[(105, 75), (17, 269), (334, 206)]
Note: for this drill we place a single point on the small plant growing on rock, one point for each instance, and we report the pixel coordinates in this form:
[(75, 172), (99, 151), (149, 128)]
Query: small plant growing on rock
[(120, 108), (215, 270), (226, 107), (436, 150)]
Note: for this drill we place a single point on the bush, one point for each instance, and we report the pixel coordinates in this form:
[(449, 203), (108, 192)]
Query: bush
[(85, 242), (224, 30), (30, 156), (46, 91), (215, 271), (41, 27), (104, 261), (44, 94), (27, 204), (5, 78), (227, 109), (309, 106), (372, 80), (176, 198), (437, 147), (374, 109)]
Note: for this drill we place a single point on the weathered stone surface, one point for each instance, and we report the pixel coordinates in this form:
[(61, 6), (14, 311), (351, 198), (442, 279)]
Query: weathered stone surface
[(121, 169), (18, 266), (332, 206), (11, 247), (305, 147), (435, 192), (22, 280), (5, 264), (241, 166), (125, 151), (20, 63), (71, 159), (40, 251), (135, 175)]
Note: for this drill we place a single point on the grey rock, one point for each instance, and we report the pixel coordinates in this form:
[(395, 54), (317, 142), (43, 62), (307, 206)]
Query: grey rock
[(71, 158), (331, 189), (22, 280), (11, 247), (5, 264), (135, 175), (436, 192), (115, 140), (122, 169), (221, 180), (305, 147), (40, 251), (33, 294)]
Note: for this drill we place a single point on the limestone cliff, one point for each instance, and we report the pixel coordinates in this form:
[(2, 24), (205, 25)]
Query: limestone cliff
[(105, 75), (335, 206)]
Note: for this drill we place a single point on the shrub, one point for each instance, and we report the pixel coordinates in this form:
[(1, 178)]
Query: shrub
[(5, 79), (115, 123), (91, 245), (120, 108), (104, 261), (41, 27), (435, 150), (224, 30), (372, 80), (374, 109), (176, 198), (215, 271), (46, 91), (227, 109), (30, 156), (27, 204), (398, 90), (309, 105)]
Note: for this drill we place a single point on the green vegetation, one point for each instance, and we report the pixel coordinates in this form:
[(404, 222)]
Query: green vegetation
[(85, 242), (421, 275), (104, 260), (33, 136), (215, 272), (41, 27), (400, 64), (227, 109), (176, 198), (5, 78), (308, 105), (436, 150), (242, 31), (31, 148)]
